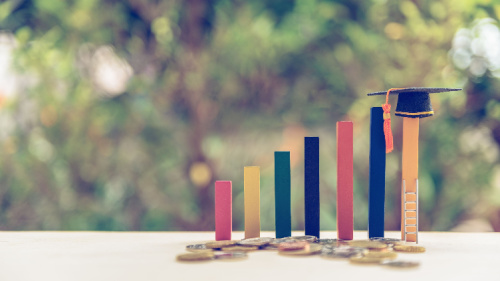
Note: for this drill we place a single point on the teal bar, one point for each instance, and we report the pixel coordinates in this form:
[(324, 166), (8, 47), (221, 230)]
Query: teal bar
[(282, 194)]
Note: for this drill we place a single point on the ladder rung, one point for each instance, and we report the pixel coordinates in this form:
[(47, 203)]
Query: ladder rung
[(410, 225), (412, 232), (410, 192)]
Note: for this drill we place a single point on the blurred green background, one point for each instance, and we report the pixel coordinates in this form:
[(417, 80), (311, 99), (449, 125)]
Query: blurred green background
[(120, 115)]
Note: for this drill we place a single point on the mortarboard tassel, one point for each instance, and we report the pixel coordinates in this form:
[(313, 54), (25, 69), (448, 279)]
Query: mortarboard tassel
[(387, 122)]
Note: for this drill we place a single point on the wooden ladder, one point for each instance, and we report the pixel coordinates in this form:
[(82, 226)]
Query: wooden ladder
[(410, 213)]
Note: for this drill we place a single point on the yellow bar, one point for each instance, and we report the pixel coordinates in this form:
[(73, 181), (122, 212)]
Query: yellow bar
[(251, 179), (409, 167)]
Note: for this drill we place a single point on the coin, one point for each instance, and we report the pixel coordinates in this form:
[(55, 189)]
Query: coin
[(409, 249), (307, 238), (401, 264), (278, 241), (342, 252), (381, 255), (230, 255), (310, 249), (260, 241), (240, 248), (197, 248), (349, 249), (327, 241), (269, 248), (334, 255), (330, 241), (292, 246), (220, 244), (368, 244), (386, 240), (365, 260), (198, 256)]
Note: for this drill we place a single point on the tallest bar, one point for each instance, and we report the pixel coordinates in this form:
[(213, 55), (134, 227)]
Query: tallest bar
[(409, 189)]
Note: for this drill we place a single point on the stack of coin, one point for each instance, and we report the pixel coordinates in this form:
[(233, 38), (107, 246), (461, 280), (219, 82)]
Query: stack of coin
[(378, 250)]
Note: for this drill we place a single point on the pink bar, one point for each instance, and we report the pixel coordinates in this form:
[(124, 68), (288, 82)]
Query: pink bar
[(345, 220), (223, 210)]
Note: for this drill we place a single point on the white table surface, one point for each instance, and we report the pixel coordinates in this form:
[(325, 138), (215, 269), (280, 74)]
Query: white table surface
[(151, 256)]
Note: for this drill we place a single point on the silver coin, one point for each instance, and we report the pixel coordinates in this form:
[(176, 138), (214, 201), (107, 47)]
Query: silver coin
[(330, 241), (340, 255), (385, 240), (401, 264), (307, 238), (349, 249), (260, 241), (330, 247), (278, 241), (230, 255), (196, 247)]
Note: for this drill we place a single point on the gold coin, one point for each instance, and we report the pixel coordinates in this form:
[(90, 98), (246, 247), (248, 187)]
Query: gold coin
[(401, 264), (367, 244), (409, 248), (309, 249), (240, 248), (365, 260), (292, 246), (197, 256), (381, 255), (220, 244)]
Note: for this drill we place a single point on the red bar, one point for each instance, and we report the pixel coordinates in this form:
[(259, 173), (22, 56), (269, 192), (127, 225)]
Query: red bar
[(223, 210), (345, 221)]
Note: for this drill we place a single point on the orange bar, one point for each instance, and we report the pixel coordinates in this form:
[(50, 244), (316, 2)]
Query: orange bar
[(411, 237), (411, 206), (411, 214), (411, 197), (411, 228), (411, 221), (409, 167)]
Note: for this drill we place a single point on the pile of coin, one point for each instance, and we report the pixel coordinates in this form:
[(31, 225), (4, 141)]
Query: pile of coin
[(379, 251)]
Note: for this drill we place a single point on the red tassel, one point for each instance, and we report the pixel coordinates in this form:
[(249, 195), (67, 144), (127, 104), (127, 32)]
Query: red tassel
[(389, 146), (387, 128)]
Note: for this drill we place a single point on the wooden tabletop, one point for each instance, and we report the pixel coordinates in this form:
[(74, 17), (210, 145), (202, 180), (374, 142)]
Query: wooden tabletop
[(151, 256)]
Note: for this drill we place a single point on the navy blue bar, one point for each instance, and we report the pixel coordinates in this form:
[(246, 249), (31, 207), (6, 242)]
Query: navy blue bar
[(282, 194), (311, 185), (376, 205)]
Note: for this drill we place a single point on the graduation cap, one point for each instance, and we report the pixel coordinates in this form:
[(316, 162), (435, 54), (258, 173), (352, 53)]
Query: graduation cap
[(412, 103)]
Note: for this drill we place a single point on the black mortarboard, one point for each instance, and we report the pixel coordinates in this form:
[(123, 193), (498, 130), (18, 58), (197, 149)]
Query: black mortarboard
[(412, 102)]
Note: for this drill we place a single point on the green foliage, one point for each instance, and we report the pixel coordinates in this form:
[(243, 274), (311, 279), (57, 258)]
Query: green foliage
[(121, 114)]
